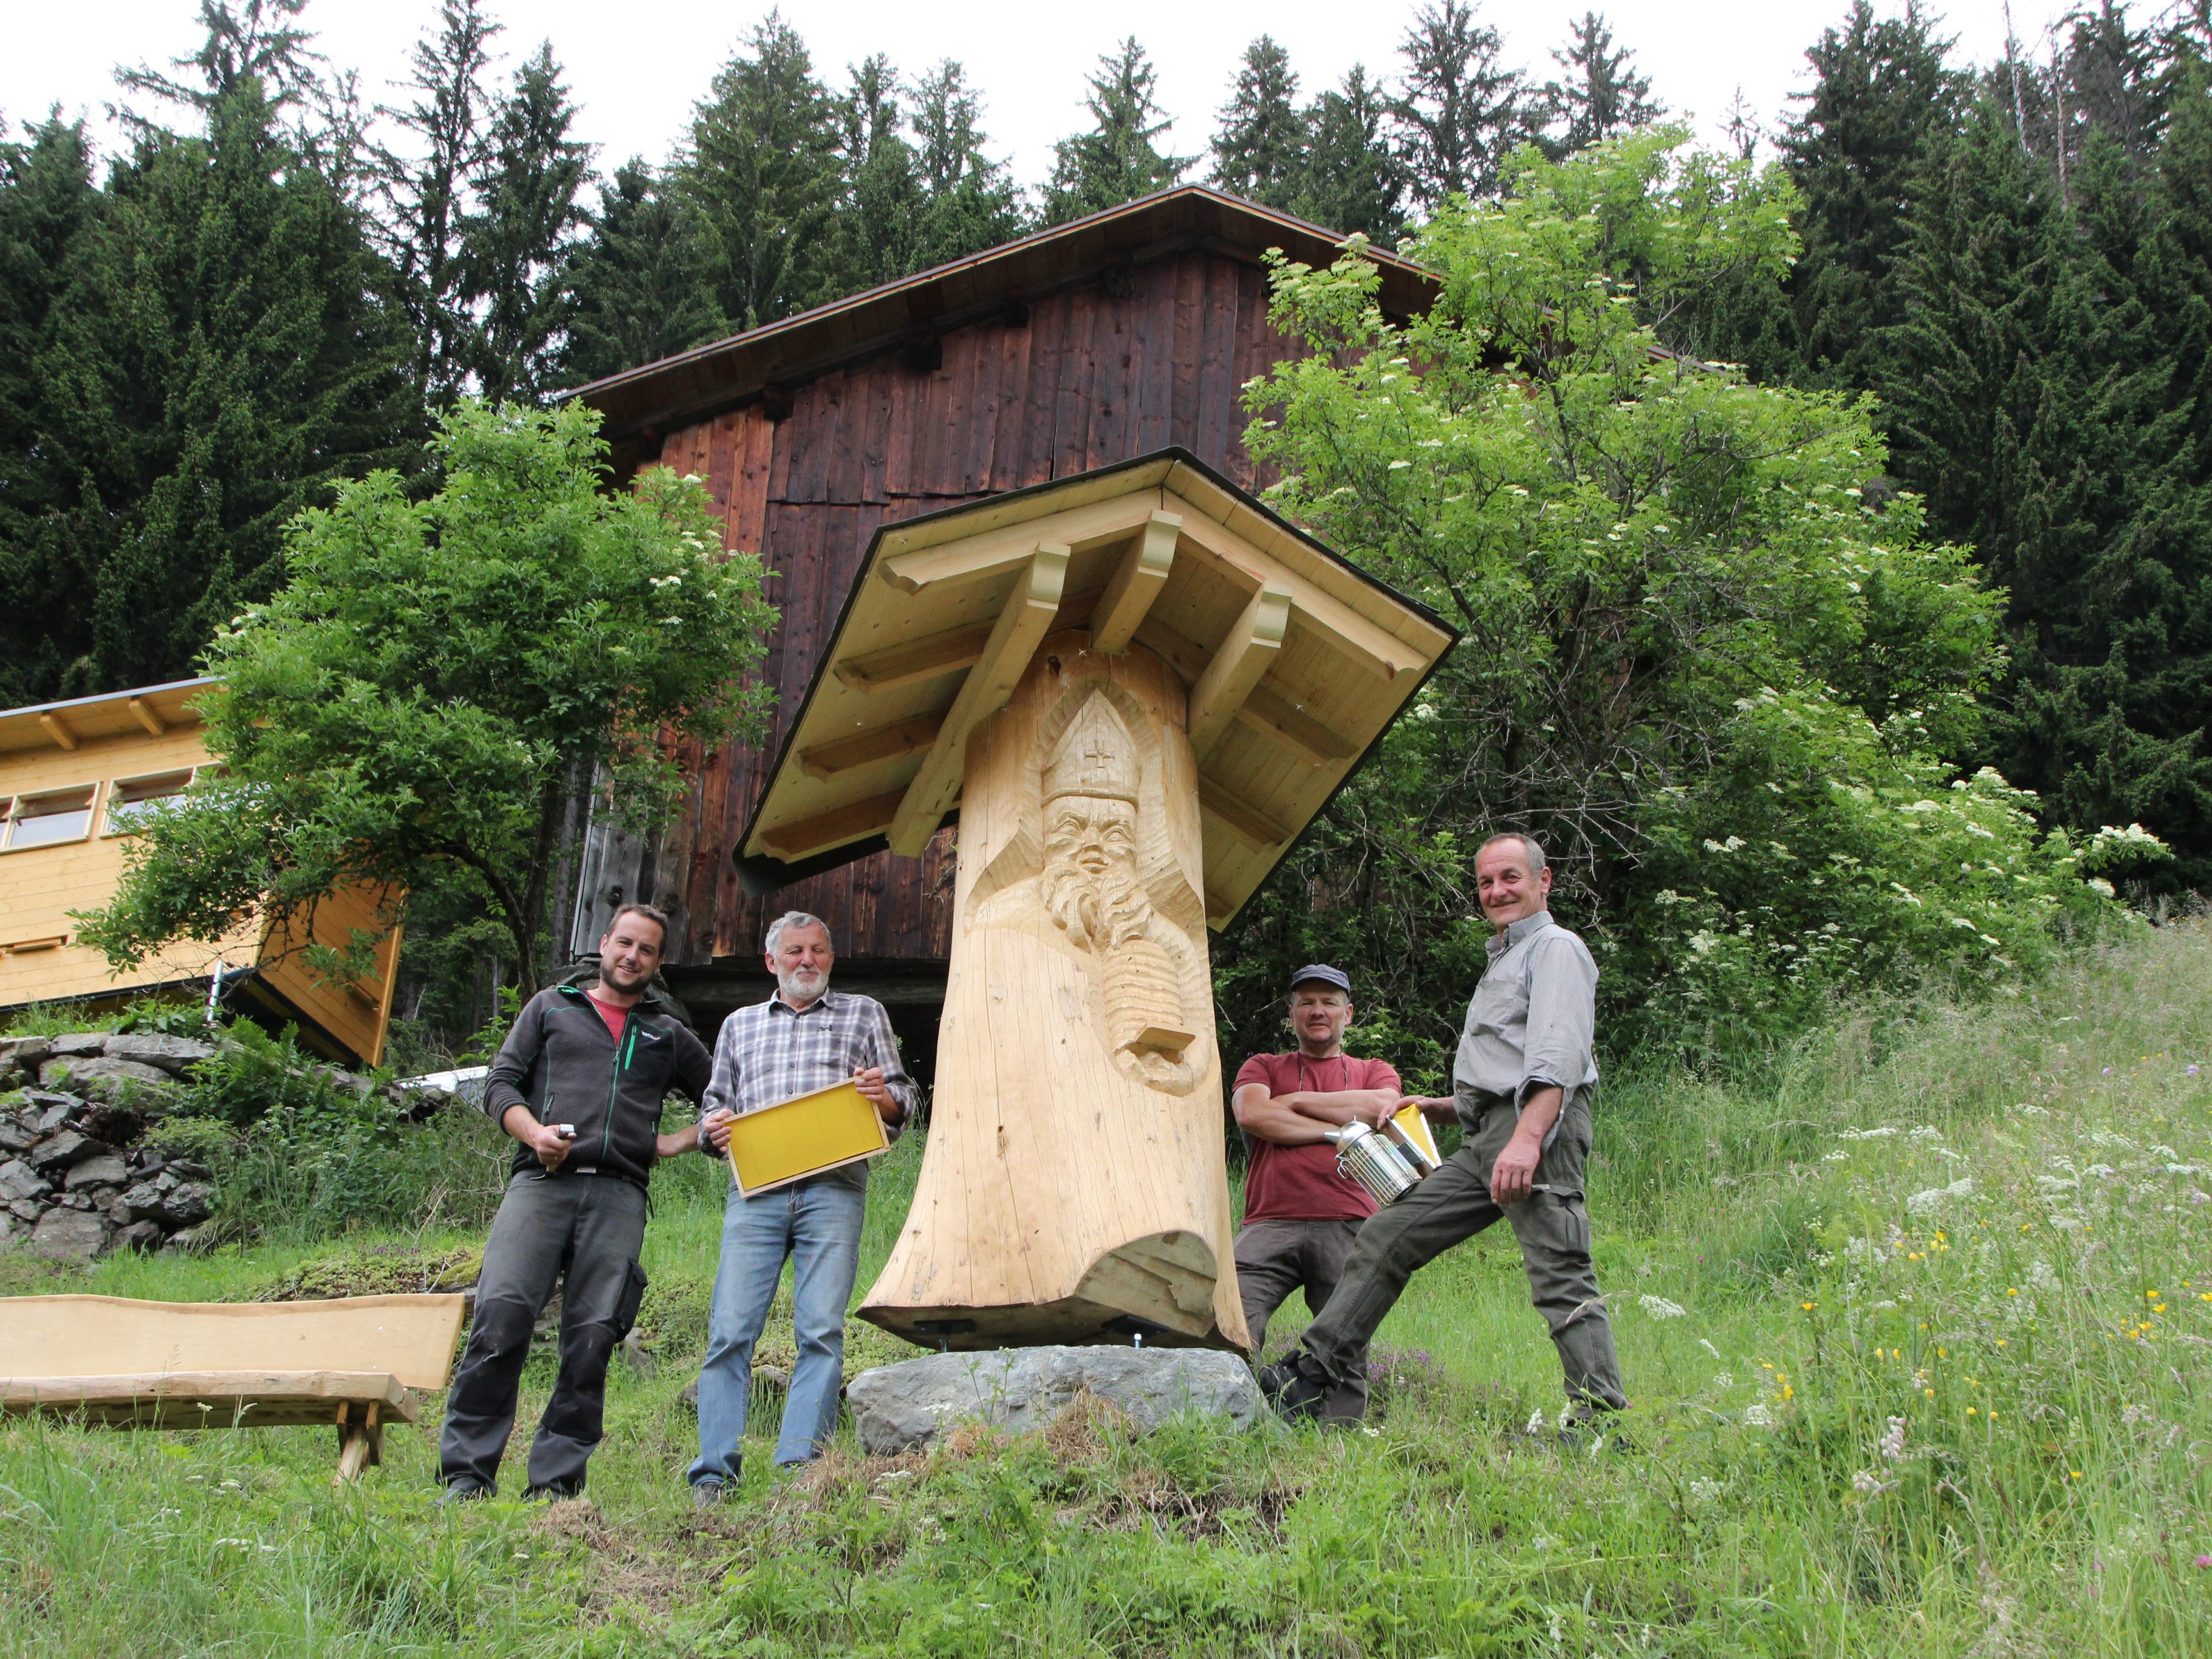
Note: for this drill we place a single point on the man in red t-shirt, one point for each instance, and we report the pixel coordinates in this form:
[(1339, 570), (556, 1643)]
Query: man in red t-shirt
[(1300, 1215)]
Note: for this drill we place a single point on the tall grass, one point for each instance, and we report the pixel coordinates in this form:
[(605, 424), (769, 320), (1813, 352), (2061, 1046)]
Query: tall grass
[(1915, 1330)]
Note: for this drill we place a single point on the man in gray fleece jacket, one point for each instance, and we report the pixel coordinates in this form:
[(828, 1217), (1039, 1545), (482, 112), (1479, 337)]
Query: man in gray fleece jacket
[(579, 1084)]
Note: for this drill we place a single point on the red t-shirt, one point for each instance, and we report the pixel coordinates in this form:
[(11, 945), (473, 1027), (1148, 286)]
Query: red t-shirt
[(615, 1017), (1300, 1183)]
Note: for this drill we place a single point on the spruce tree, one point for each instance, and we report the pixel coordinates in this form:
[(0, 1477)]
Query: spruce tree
[(760, 165), (518, 243), (49, 216), (1351, 180), (1884, 103), (1116, 160), (427, 195), (226, 352), (1600, 97), (969, 203), (641, 283), (1259, 149), (1462, 112), (879, 219)]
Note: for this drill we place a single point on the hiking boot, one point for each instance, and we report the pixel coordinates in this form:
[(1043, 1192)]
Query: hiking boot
[(463, 1491), (1294, 1387), (551, 1494), (709, 1494)]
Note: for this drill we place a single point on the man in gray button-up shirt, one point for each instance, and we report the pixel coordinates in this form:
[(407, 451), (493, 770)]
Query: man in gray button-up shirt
[(1522, 1087)]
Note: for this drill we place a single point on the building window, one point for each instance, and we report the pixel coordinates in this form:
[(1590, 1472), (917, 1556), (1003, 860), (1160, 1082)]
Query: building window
[(51, 818), (130, 802)]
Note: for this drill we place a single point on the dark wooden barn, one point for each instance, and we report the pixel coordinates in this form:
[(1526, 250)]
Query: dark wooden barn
[(1111, 337)]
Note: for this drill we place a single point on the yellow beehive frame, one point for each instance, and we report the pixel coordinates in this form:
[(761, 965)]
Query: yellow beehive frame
[(823, 1130)]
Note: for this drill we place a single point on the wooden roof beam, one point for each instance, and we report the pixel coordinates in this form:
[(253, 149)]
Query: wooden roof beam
[(142, 712), (994, 552), (825, 761), (1242, 658), (854, 821), (924, 658), (61, 734), (1143, 572), (1021, 628), (1282, 721), (1241, 818)]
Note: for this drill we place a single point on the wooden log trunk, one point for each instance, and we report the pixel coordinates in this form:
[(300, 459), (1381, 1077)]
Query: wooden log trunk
[(1074, 1189)]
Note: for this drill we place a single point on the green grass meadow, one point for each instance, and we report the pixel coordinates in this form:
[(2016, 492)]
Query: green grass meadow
[(1917, 1329)]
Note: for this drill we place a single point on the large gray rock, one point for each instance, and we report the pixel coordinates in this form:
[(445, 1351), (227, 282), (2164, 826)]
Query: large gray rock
[(70, 1235), (105, 1170), (18, 1180), (78, 1042), (104, 1078), (189, 1205), (899, 1407), (41, 1109), (174, 1055), (62, 1148), (25, 1051)]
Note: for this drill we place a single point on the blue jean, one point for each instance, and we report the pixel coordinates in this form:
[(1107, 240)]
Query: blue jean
[(816, 1224)]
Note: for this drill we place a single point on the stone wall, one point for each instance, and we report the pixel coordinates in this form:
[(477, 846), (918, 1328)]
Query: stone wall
[(73, 1185)]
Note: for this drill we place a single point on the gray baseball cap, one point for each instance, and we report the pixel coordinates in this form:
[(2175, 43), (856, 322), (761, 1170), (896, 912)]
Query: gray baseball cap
[(1324, 974)]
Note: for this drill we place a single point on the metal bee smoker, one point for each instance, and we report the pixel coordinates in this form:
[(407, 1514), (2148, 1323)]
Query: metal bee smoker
[(1384, 1162)]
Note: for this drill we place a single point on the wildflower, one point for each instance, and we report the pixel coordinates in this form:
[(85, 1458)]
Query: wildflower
[(1535, 1422), (1871, 1484), (1756, 1416), (1659, 1308), (1893, 1443), (2204, 1560), (1705, 1491)]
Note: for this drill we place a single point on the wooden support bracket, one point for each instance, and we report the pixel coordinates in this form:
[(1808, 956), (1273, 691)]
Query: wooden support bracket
[(819, 834), (924, 658), (60, 733), (1144, 571), (1021, 628), (1252, 644), (142, 712)]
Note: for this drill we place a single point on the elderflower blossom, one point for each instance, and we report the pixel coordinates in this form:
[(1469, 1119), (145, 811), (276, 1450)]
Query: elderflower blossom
[(1659, 1308)]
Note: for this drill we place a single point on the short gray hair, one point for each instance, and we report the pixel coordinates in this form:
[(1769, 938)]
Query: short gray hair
[(1536, 853), (793, 918)]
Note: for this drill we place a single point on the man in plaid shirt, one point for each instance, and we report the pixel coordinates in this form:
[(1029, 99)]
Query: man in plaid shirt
[(806, 1037)]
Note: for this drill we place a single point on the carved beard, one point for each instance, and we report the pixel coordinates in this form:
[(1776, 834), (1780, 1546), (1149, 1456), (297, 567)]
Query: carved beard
[(1097, 912)]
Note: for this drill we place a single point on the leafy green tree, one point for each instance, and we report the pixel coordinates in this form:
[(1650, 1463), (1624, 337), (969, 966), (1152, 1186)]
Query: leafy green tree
[(970, 203), (1716, 681), (762, 167), (412, 701), (1115, 161), (1462, 112), (1351, 179), (641, 282), (1602, 95), (1259, 149), (517, 245)]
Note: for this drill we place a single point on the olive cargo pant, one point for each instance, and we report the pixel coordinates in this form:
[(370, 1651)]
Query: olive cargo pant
[(1274, 1258), (1454, 1203), (585, 1231)]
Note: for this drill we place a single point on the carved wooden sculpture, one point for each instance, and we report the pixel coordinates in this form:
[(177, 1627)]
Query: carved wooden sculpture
[(1137, 687)]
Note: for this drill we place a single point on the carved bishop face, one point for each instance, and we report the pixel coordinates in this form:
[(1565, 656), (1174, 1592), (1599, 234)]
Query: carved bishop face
[(1090, 833)]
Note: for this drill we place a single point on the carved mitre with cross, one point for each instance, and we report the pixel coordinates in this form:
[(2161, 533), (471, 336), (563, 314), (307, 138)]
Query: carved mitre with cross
[(1134, 687)]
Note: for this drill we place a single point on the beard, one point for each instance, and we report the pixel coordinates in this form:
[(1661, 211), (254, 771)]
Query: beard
[(801, 984), (1096, 911)]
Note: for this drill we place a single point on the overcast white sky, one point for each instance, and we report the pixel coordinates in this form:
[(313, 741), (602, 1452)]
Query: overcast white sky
[(637, 68)]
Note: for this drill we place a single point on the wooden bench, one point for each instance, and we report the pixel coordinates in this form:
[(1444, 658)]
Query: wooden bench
[(354, 1362)]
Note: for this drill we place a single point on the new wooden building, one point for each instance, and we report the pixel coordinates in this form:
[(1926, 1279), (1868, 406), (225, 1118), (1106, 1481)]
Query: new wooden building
[(1128, 334), (74, 776)]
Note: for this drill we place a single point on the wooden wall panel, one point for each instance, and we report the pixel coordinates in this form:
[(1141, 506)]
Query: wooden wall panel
[(1092, 377)]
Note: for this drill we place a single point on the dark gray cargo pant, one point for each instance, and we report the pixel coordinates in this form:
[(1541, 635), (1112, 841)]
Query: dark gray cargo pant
[(1454, 1204), (588, 1228), (1274, 1258)]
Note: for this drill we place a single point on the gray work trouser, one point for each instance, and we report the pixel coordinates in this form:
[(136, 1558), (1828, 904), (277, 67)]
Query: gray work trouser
[(1551, 1225), (1274, 1258), (585, 1231)]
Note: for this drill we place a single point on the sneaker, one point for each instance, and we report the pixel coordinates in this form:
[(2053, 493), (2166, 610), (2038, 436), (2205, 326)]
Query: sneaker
[(1294, 1387), (709, 1494)]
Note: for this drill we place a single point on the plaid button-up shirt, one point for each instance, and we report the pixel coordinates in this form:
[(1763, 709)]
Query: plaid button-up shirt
[(771, 1051)]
